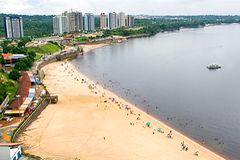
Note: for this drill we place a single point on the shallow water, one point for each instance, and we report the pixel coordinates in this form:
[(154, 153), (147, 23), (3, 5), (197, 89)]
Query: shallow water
[(166, 76)]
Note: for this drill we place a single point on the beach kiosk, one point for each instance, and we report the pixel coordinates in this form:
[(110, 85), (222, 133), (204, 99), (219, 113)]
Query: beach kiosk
[(10, 151)]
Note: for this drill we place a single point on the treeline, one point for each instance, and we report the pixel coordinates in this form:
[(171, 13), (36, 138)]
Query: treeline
[(34, 26), (169, 23), (154, 25), (41, 25)]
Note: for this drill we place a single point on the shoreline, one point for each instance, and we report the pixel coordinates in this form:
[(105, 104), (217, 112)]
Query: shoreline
[(163, 123), (207, 147), (37, 141)]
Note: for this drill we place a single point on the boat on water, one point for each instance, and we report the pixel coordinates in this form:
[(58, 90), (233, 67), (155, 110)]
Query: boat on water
[(213, 66)]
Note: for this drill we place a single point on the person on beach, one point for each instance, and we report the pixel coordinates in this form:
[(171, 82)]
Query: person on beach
[(182, 143), (169, 135), (196, 153)]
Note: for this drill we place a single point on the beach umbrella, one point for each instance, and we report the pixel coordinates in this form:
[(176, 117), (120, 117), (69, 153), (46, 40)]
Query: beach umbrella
[(148, 123), (160, 130)]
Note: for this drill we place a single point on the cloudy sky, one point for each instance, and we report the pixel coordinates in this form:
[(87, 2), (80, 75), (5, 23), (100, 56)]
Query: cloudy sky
[(152, 7)]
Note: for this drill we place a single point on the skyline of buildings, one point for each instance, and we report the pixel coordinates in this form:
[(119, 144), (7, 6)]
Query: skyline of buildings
[(72, 21), (76, 22), (13, 26)]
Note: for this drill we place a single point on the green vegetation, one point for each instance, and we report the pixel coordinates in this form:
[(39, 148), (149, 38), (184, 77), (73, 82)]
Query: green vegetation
[(14, 75), (155, 25), (48, 48), (81, 39), (34, 26), (41, 25), (21, 66), (7, 86), (8, 82), (18, 48), (122, 32), (2, 60), (171, 23)]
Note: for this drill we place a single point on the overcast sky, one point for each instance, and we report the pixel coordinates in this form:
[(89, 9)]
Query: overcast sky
[(151, 7)]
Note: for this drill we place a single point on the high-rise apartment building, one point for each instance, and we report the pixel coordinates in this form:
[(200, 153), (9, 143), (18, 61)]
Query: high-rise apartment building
[(89, 22), (13, 27), (60, 24), (122, 19), (112, 20), (103, 21), (75, 21), (129, 21)]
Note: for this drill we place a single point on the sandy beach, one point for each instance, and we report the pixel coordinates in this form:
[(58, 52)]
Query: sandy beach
[(87, 48), (92, 123)]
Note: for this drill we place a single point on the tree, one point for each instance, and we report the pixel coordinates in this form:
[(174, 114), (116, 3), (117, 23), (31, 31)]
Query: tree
[(2, 92), (14, 75), (31, 54), (23, 42), (28, 61), (7, 49), (2, 61), (21, 66)]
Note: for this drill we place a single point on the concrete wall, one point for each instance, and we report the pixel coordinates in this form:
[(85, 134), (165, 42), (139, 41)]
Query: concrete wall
[(54, 58), (33, 116)]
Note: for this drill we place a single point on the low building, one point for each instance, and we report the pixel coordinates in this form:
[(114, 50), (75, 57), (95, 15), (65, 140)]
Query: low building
[(10, 151), (10, 58)]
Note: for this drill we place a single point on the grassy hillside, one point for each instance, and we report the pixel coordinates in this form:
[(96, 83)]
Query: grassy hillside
[(44, 49), (7, 86), (36, 25)]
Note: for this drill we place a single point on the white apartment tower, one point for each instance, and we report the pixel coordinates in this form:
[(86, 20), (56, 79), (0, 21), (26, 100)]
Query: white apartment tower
[(13, 27), (129, 21), (112, 20), (103, 21), (122, 19), (60, 24), (75, 21)]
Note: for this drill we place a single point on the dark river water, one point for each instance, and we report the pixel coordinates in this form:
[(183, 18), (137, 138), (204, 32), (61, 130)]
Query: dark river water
[(166, 76)]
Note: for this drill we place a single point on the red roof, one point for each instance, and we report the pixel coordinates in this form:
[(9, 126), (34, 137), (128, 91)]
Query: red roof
[(69, 36), (23, 90), (6, 56)]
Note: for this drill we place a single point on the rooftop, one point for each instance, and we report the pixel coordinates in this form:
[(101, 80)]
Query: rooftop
[(9, 144)]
